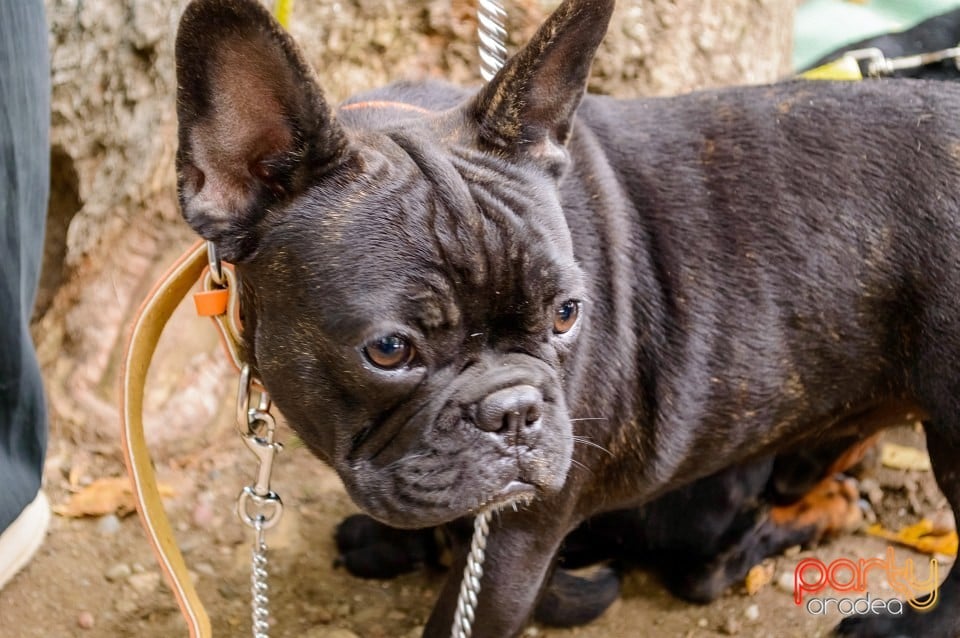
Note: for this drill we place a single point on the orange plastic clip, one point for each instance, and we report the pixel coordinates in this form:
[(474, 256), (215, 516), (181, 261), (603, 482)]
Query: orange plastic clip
[(211, 303)]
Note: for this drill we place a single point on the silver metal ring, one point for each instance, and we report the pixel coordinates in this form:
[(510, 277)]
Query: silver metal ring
[(259, 512)]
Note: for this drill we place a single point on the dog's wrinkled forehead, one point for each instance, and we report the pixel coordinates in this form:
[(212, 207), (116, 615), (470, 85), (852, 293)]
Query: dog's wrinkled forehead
[(419, 225)]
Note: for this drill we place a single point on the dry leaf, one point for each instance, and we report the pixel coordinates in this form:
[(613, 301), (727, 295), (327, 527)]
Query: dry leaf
[(758, 577), (902, 457), (924, 536), (104, 496)]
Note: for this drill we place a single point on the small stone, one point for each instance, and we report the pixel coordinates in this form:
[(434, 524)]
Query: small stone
[(871, 489), (531, 632), (752, 612), (125, 606), (318, 614), (108, 525), (416, 632), (144, 583), (228, 591), (702, 623), (85, 620), (343, 611), (119, 571), (203, 515), (792, 551), (193, 542), (785, 582), (206, 569), (730, 627)]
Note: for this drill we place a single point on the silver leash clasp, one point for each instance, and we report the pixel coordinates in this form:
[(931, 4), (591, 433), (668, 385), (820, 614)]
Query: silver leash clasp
[(258, 505), (879, 65)]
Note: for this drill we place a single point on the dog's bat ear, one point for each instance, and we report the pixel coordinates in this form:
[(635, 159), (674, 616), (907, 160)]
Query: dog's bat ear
[(529, 105), (254, 127)]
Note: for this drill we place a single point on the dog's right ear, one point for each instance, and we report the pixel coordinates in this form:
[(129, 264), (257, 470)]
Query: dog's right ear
[(528, 107), (254, 127)]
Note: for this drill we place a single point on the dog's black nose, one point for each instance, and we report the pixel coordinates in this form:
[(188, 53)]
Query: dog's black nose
[(510, 409)]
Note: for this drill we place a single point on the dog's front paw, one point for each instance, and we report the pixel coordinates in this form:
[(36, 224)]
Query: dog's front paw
[(369, 549)]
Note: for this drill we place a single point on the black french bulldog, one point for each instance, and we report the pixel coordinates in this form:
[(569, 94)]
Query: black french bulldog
[(465, 300)]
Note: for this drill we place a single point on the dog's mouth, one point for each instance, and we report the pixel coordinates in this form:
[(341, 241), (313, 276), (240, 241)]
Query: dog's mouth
[(515, 494)]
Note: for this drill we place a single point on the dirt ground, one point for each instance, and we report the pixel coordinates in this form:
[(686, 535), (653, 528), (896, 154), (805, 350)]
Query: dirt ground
[(95, 576)]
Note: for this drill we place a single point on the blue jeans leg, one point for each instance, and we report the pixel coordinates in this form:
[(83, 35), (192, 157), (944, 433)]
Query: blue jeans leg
[(24, 187)]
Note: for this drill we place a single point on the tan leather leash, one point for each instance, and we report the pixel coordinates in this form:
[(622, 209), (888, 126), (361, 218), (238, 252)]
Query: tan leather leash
[(258, 505), (142, 340)]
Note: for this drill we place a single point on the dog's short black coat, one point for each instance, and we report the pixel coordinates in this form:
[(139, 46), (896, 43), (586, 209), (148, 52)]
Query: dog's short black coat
[(468, 299)]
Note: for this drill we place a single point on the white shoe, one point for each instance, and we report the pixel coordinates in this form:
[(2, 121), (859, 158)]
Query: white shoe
[(20, 541)]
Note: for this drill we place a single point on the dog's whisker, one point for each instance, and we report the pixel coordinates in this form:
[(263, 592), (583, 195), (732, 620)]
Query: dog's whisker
[(590, 418), (588, 442), (581, 466)]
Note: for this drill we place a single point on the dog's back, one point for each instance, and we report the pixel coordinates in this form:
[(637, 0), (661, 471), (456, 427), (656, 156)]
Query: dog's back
[(795, 248)]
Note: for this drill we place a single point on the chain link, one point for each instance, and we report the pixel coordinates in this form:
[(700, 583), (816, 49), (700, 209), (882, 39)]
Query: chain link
[(463, 617), (259, 594), (491, 18)]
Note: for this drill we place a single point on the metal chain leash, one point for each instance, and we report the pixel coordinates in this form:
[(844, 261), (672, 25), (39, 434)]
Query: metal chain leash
[(492, 34), (259, 599), (463, 617)]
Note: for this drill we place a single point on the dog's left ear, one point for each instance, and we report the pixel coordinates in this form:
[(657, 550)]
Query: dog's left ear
[(528, 107)]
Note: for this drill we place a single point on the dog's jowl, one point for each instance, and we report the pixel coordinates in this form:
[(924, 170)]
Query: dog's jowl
[(464, 299)]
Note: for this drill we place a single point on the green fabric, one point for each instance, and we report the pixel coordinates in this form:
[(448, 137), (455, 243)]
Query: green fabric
[(825, 25)]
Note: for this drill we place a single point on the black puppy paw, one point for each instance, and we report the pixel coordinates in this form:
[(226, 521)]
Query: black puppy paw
[(369, 549), (571, 600)]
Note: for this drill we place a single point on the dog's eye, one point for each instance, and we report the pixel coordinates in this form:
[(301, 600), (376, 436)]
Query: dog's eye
[(566, 316), (389, 352)]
